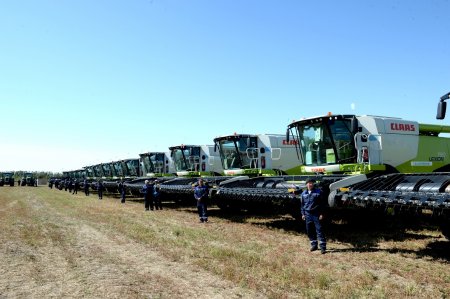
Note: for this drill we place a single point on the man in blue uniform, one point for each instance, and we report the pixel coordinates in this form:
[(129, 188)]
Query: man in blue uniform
[(201, 195), (76, 186), (122, 191), (313, 207), (157, 195), (100, 189), (147, 191), (86, 187)]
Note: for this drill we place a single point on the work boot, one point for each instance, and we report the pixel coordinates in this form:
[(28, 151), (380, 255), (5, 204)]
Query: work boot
[(313, 248)]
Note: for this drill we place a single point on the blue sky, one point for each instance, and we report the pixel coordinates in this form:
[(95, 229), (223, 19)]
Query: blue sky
[(84, 82)]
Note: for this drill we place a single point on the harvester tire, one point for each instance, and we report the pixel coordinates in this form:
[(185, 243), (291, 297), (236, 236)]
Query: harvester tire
[(332, 199)]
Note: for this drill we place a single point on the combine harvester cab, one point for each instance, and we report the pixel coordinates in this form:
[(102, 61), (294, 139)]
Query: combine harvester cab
[(256, 155), (132, 169), (416, 190), (154, 166), (124, 170), (190, 163), (7, 179), (78, 176), (361, 147), (389, 163), (28, 179), (340, 151), (110, 178), (260, 164), (98, 175), (89, 176)]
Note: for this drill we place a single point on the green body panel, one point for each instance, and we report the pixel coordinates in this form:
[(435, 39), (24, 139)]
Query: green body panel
[(194, 174), (254, 172), (297, 170), (433, 154), (427, 128), (343, 168)]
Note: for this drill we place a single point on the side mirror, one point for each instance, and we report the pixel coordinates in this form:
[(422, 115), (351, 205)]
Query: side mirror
[(287, 135), (442, 107)]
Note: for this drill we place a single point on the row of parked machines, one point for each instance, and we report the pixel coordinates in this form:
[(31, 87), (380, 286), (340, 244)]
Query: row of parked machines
[(26, 179), (359, 161)]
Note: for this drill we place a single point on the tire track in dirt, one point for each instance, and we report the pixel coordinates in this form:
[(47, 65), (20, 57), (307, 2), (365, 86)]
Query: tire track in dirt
[(80, 259)]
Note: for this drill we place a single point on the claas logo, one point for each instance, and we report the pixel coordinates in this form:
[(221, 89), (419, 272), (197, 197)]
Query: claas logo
[(402, 127), (290, 142)]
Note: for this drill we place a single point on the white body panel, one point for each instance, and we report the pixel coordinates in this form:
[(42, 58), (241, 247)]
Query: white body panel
[(207, 161), (280, 154), (212, 159), (277, 153), (392, 141)]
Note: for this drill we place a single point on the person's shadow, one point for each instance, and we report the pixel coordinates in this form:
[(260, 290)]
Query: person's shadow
[(362, 229)]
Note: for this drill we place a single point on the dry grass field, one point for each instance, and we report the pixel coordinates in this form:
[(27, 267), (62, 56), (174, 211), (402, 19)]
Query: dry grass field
[(55, 244)]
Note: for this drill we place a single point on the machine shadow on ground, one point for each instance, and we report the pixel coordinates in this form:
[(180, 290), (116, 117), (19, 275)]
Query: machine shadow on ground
[(363, 229)]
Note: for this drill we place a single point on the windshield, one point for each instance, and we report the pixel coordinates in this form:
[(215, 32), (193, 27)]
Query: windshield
[(147, 164), (186, 158), (79, 174), (238, 152), (107, 170), (133, 167), (153, 162), (325, 143), (158, 162), (89, 171), (97, 170), (118, 168)]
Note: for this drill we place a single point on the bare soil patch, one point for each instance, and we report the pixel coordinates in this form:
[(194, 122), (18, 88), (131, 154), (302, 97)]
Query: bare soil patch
[(54, 244)]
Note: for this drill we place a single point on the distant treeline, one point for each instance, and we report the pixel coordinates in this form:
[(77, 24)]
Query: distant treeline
[(38, 174)]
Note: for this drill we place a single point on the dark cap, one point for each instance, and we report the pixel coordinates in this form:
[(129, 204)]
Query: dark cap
[(310, 180)]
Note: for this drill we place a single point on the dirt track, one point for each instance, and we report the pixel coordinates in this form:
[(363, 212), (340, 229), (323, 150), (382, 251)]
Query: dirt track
[(57, 245), (73, 258)]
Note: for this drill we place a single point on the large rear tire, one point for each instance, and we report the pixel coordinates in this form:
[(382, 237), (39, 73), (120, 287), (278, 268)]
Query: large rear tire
[(332, 199)]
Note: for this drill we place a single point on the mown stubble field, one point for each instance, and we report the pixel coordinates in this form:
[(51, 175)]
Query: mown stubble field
[(55, 244)]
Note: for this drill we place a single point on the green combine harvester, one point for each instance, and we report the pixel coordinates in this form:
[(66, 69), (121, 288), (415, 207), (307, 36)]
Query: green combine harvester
[(424, 185), (363, 161), (256, 154), (7, 179), (153, 166), (358, 161), (28, 179), (191, 162)]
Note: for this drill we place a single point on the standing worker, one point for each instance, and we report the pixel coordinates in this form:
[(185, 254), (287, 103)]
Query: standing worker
[(147, 190), (122, 191), (76, 186), (86, 187), (157, 195), (313, 207), (201, 195), (100, 189)]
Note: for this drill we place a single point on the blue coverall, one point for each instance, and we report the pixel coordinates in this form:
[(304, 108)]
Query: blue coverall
[(312, 206), (201, 195)]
